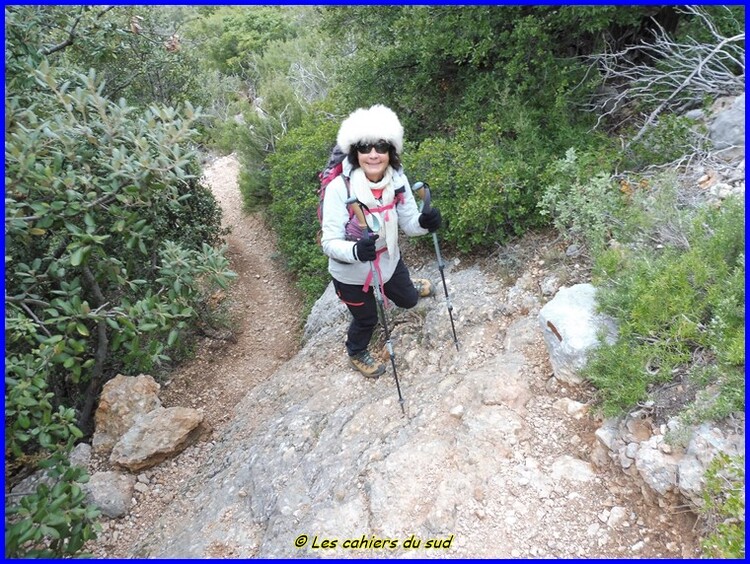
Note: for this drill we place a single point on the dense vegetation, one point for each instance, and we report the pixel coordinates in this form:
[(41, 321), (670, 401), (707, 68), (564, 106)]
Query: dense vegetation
[(111, 246), (517, 116)]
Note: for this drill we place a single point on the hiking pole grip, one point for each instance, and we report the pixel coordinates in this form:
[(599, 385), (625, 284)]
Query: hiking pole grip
[(422, 189), (360, 215)]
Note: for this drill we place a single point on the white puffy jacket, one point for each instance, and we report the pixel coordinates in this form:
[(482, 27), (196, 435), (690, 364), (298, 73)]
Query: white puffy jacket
[(341, 262)]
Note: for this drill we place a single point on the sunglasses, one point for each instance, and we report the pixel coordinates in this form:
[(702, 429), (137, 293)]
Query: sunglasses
[(381, 147)]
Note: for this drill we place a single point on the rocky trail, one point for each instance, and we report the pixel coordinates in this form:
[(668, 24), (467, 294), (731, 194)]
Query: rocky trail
[(305, 458)]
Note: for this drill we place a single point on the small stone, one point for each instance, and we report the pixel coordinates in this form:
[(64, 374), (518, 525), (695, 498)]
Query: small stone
[(457, 412), (479, 493), (637, 547), (552, 385), (617, 516)]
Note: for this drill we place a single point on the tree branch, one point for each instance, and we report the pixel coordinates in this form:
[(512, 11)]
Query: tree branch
[(72, 33), (701, 64), (102, 348), (31, 314)]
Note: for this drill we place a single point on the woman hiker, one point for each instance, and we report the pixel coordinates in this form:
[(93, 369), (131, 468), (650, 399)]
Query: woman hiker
[(372, 139)]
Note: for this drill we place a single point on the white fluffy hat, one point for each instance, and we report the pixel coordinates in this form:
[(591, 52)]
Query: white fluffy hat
[(371, 125)]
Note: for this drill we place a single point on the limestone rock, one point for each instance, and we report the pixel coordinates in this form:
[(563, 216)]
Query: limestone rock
[(111, 492), (80, 455), (156, 436), (571, 327), (328, 311), (658, 470), (727, 131), (123, 399), (574, 469), (575, 409)]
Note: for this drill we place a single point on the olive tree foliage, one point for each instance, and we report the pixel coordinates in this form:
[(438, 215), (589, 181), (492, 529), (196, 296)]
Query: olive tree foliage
[(111, 251), (136, 51)]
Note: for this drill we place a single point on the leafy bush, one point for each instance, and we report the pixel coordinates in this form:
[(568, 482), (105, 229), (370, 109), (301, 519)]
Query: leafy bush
[(446, 67), (487, 178), (581, 205), (232, 36), (108, 261), (294, 185), (670, 139), (55, 521)]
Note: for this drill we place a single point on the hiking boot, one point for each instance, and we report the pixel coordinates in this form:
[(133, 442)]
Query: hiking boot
[(424, 287), (368, 366)]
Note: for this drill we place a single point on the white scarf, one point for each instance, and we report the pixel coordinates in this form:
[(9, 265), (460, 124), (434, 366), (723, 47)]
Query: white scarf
[(362, 188)]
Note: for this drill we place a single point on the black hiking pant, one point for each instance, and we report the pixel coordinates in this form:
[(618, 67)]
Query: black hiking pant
[(399, 290)]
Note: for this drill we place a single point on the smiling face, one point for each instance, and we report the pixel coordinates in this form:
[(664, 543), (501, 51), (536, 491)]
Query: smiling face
[(372, 160)]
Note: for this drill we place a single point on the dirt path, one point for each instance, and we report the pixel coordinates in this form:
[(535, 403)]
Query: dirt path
[(265, 317), (265, 312)]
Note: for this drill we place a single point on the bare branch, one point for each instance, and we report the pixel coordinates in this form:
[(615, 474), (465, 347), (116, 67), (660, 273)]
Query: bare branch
[(31, 314), (24, 300), (702, 63), (68, 41), (685, 74)]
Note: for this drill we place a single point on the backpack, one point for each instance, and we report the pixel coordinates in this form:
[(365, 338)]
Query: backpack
[(333, 169)]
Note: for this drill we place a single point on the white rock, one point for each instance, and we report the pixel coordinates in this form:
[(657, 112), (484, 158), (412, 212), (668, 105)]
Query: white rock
[(573, 469), (617, 516), (571, 326)]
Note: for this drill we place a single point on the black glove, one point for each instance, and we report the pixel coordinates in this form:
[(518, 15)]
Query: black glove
[(364, 249), (431, 220)]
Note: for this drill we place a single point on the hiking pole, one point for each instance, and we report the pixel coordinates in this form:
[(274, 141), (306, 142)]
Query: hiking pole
[(423, 191), (357, 209)]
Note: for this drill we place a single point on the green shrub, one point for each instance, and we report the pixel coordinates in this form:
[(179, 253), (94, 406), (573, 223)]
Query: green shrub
[(724, 508), (483, 182), (671, 302), (294, 184), (108, 262), (582, 203), (670, 139), (54, 521)]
